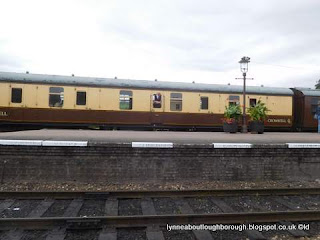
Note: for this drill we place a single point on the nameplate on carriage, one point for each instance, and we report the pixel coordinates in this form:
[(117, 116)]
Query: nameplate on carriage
[(303, 145), (232, 145), (65, 143), (152, 145), (3, 114)]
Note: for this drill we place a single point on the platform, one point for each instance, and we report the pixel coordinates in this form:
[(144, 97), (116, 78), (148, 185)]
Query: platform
[(104, 136), (123, 157)]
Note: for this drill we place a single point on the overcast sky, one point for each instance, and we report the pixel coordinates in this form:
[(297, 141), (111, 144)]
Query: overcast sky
[(168, 40)]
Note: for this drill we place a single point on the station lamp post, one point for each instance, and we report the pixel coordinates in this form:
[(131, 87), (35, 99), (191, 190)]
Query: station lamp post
[(244, 69)]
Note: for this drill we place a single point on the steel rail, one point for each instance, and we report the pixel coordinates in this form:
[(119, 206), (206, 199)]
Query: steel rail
[(162, 193), (162, 220)]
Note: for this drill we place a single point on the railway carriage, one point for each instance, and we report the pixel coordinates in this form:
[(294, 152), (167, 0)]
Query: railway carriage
[(306, 101), (36, 99)]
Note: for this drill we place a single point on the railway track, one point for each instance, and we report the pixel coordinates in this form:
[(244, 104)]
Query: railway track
[(152, 211), (144, 221)]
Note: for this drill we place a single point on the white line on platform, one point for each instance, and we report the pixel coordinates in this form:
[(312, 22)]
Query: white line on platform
[(65, 143), (232, 145), (44, 143), (152, 145), (21, 142), (303, 145)]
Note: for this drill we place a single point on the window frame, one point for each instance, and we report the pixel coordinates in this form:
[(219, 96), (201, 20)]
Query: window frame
[(77, 98), (176, 100), (235, 100), (14, 97), (156, 104), (201, 103), (129, 102), (255, 103), (53, 94), (314, 105)]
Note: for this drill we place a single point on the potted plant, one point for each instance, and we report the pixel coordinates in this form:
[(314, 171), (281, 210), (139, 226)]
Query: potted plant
[(258, 114), (232, 114)]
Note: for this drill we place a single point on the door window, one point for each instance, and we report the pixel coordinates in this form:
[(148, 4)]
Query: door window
[(157, 100)]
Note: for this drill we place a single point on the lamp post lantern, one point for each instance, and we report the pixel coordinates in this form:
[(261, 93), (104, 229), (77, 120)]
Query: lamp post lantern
[(244, 69)]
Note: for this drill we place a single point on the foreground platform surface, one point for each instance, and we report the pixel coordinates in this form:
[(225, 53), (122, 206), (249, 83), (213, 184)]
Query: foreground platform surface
[(104, 136)]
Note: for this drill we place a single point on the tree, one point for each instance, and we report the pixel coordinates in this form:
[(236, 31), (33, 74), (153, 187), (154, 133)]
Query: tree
[(318, 85)]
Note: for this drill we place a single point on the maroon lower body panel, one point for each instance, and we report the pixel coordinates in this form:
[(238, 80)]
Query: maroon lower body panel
[(100, 117)]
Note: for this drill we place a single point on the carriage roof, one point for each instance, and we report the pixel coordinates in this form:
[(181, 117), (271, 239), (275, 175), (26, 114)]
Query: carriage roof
[(138, 84)]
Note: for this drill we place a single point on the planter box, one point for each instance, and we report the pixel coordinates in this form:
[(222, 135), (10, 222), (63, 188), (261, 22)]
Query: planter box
[(230, 127), (256, 127)]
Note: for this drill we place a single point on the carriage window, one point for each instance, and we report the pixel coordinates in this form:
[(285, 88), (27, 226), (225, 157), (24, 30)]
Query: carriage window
[(204, 103), (156, 100), (175, 101), (314, 101), (125, 99), (56, 96), (253, 102), (234, 100), (81, 98), (16, 95), (314, 109), (314, 105)]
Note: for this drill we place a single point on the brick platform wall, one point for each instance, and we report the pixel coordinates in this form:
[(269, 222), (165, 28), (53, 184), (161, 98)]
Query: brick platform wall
[(123, 164)]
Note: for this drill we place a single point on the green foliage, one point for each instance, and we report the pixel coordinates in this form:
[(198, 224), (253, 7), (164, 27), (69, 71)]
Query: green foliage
[(232, 112), (318, 84), (258, 112)]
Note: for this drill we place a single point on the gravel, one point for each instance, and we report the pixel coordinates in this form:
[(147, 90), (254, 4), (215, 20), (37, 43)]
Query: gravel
[(229, 234), (20, 208), (131, 234), (128, 207), (82, 235), (92, 208), (242, 203), (3, 235), (177, 235), (268, 203), (203, 205), (314, 228), (312, 202), (165, 206), (279, 235), (57, 209), (74, 186), (34, 235)]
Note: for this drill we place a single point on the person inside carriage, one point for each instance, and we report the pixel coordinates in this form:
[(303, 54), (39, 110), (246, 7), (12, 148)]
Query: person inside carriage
[(157, 100)]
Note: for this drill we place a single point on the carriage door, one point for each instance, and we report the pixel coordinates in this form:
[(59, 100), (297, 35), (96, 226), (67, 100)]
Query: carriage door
[(156, 107)]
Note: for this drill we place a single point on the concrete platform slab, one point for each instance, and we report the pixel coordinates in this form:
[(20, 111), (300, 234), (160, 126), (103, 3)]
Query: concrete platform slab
[(103, 136)]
